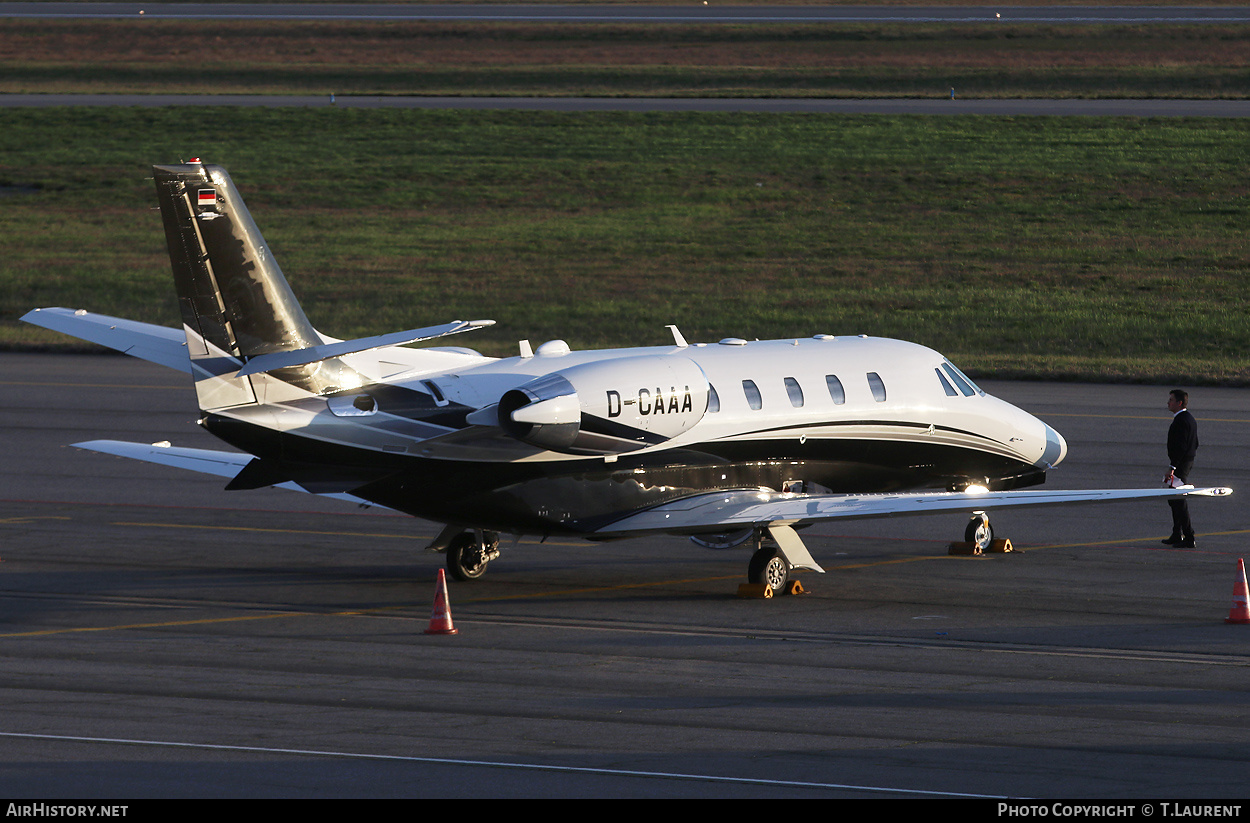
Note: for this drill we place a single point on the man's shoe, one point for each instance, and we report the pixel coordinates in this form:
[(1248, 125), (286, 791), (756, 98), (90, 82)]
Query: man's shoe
[(1187, 543), (1174, 540)]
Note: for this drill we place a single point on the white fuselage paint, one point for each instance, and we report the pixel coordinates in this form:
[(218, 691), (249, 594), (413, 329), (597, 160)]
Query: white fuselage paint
[(917, 406)]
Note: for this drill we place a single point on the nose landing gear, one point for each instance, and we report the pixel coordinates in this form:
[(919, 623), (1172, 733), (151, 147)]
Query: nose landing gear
[(979, 532)]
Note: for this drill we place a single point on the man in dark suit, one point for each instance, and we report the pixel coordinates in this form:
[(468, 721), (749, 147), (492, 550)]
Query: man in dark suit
[(1182, 447)]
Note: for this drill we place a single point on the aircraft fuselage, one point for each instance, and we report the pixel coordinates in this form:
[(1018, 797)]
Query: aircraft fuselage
[(715, 441), (624, 430)]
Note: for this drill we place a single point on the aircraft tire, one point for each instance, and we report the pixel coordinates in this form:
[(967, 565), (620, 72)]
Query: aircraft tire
[(767, 566), (979, 532), (464, 558)]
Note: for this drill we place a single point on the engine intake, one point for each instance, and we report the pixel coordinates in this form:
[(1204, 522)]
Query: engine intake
[(544, 412), (607, 407)]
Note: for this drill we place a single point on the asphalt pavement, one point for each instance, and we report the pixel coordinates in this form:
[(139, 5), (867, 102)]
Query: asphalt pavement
[(162, 637)]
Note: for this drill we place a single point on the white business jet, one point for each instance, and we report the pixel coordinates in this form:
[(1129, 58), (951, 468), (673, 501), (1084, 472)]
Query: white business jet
[(728, 443)]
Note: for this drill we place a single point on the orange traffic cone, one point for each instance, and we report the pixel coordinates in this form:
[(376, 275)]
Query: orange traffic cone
[(440, 620), (1240, 612)]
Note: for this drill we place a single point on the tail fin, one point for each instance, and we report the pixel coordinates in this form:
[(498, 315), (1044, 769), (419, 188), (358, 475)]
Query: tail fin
[(234, 300)]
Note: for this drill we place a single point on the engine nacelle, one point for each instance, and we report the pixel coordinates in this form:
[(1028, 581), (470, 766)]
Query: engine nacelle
[(607, 407)]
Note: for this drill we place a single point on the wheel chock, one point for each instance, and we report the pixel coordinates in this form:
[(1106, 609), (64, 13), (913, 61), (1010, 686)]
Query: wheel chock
[(963, 549), (1000, 547), (795, 587), (756, 590)]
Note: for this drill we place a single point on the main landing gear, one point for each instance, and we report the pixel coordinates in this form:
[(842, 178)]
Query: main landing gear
[(469, 552), (767, 566), (779, 552)]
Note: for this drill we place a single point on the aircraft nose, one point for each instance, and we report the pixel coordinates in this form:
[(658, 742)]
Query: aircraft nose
[(1056, 448)]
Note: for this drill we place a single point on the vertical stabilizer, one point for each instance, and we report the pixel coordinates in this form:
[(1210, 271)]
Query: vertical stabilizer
[(235, 302)]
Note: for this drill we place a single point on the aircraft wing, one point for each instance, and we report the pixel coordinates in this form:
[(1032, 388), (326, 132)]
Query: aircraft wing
[(205, 461), (726, 511), (714, 511), (157, 344), (168, 347)]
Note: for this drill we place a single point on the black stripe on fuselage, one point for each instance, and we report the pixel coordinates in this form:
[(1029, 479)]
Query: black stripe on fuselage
[(576, 496), (598, 425), (886, 423)]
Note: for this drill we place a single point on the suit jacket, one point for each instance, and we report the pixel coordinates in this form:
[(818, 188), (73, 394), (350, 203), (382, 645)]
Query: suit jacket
[(1182, 438)]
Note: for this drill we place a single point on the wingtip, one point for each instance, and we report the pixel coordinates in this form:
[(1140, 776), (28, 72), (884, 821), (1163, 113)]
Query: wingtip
[(1214, 491)]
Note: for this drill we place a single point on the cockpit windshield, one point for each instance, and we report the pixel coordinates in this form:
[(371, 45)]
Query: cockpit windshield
[(966, 387)]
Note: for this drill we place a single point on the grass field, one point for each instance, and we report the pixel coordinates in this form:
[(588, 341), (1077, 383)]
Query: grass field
[(836, 60), (1082, 247)]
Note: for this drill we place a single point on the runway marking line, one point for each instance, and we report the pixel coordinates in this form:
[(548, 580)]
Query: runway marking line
[(494, 764), (386, 535), (1152, 545), (74, 630), (30, 517)]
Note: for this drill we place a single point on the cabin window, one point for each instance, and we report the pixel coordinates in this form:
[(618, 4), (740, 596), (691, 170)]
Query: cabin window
[(752, 391), (877, 386), (795, 391), (713, 399), (962, 380), (946, 385), (836, 392)]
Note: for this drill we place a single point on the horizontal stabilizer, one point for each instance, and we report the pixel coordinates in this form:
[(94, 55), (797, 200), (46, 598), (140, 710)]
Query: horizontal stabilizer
[(718, 511), (314, 354), (156, 344), (205, 461)]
